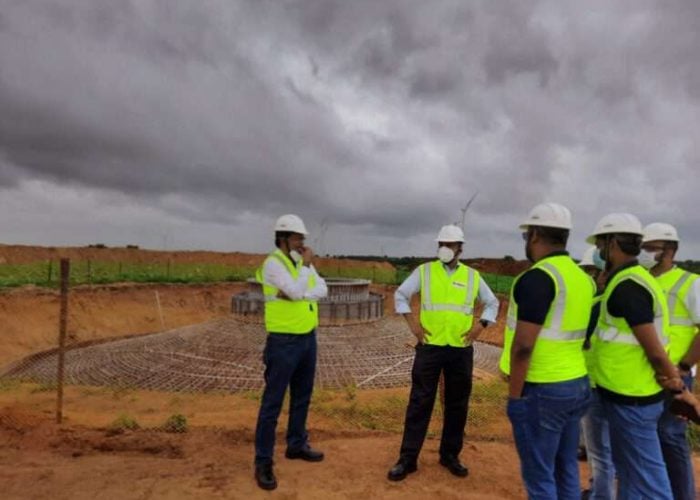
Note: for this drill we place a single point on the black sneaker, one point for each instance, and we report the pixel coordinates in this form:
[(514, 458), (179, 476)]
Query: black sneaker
[(265, 477)]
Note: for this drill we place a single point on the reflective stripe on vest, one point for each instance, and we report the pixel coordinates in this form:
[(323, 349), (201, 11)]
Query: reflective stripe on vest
[(447, 303), (620, 363), (283, 315), (676, 284), (557, 355), (427, 301)]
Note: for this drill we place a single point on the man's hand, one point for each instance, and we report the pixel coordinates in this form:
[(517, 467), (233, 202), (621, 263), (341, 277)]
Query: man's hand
[(307, 255), (670, 383), (416, 328), (473, 334)]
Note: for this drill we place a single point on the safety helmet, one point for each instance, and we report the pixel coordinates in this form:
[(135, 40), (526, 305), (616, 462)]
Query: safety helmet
[(449, 234), (660, 231), (548, 215), (291, 223), (587, 259), (614, 224)]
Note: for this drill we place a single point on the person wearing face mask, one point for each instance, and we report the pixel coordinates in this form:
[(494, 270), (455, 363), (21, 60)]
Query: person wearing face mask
[(291, 287), (682, 289), (594, 427), (549, 390), (631, 365), (447, 327)]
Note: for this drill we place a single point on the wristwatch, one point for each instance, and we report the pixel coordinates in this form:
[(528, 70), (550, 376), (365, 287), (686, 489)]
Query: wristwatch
[(484, 323), (684, 366)]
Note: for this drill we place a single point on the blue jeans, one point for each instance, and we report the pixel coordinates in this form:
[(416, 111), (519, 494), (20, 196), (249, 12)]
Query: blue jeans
[(676, 451), (545, 428), (641, 472), (596, 433), (290, 360)]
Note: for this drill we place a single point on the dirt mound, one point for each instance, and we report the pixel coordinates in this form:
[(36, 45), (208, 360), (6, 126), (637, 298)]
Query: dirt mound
[(24, 254)]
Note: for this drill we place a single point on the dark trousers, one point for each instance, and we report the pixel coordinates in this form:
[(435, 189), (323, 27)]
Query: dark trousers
[(456, 363), (290, 361)]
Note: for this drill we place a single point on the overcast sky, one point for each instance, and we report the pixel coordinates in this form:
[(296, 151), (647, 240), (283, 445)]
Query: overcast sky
[(193, 124)]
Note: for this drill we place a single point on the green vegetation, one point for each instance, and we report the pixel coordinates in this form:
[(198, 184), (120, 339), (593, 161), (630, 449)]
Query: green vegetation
[(175, 423), (124, 422)]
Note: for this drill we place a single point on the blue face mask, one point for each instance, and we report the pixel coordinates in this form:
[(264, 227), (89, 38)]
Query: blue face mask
[(598, 260)]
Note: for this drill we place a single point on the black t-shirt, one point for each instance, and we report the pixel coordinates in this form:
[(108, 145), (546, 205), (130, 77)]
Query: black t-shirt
[(633, 302), (534, 293)]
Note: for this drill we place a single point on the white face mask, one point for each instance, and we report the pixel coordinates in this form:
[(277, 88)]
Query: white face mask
[(294, 255), (445, 254), (598, 260), (647, 259)]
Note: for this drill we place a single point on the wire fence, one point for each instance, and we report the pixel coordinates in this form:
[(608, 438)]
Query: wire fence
[(211, 375)]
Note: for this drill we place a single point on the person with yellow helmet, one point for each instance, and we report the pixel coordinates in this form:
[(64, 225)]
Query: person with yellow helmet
[(631, 367), (448, 291), (682, 289), (549, 390), (291, 287)]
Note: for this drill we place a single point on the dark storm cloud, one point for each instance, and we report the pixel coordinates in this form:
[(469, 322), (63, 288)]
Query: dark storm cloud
[(380, 117)]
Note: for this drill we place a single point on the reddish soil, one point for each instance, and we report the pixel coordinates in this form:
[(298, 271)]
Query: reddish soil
[(499, 266), (23, 254)]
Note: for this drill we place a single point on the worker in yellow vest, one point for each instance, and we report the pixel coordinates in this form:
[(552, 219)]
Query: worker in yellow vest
[(448, 292), (682, 289), (291, 287), (549, 390), (631, 367)]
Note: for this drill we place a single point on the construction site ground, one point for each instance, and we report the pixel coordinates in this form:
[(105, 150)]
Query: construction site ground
[(85, 458)]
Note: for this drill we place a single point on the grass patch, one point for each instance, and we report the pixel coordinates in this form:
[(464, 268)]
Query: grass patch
[(124, 422), (175, 423)]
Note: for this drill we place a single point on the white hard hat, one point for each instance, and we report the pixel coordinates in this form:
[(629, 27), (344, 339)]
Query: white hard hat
[(548, 215), (449, 234), (660, 231), (587, 259), (616, 223), (291, 223)]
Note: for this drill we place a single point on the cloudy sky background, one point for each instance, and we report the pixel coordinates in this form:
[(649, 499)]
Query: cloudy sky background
[(187, 124)]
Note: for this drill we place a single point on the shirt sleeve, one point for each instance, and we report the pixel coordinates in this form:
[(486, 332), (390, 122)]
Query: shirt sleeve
[(275, 274), (320, 289), (489, 300), (633, 302), (534, 293), (403, 294), (692, 301)]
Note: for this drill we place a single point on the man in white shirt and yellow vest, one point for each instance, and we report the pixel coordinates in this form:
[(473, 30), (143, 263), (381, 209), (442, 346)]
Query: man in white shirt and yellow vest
[(682, 289), (630, 365), (448, 291), (292, 288), (549, 390)]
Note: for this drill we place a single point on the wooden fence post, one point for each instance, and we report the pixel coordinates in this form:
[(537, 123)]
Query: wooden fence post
[(62, 326)]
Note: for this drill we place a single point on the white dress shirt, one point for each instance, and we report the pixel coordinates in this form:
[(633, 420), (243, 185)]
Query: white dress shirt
[(277, 275), (411, 286)]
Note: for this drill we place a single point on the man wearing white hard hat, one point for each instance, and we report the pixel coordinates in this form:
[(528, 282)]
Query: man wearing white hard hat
[(448, 291), (292, 288), (594, 427), (549, 390), (682, 289), (631, 366)]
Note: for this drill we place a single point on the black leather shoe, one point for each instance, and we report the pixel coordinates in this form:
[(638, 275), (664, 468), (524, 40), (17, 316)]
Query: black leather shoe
[(454, 466), (307, 453), (401, 470), (265, 477)]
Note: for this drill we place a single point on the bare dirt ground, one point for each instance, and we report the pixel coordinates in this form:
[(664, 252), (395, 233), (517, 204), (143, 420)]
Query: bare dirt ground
[(41, 460)]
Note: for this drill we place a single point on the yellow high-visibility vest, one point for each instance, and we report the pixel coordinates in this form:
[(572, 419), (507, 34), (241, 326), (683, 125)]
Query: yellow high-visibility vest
[(676, 284), (447, 302), (288, 316), (621, 364), (558, 352)]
